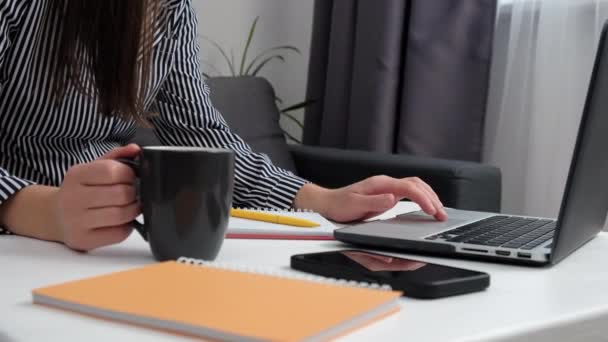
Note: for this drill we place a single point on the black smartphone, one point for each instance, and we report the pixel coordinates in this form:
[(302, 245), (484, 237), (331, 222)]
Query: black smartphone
[(415, 278)]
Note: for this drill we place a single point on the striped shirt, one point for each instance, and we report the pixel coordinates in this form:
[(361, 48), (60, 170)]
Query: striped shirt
[(40, 138)]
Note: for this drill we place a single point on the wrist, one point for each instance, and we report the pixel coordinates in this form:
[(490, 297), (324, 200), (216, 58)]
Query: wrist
[(52, 214), (31, 212), (313, 197)]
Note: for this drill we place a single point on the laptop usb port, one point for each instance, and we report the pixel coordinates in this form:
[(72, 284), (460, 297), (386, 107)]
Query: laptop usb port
[(505, 253), (524, 255)]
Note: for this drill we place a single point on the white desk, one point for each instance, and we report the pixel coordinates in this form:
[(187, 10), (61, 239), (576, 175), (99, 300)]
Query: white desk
[(565, 303)]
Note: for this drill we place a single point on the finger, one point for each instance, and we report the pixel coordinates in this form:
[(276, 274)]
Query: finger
[(375, 185), (420, 197), (102, 196), (128, 151), (109, 235), (112, 216), (428, 188), (384, 185), (401, 188), (436, 203), (373, 203), (103, 172), (441, 214)]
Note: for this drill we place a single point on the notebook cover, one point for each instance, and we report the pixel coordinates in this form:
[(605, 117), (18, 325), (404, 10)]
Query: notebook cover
[(222, 304)]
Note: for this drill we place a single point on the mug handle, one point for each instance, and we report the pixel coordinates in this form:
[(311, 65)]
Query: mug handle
[(134, 164)]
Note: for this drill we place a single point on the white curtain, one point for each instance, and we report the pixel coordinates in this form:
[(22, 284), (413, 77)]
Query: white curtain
[(543, 58)]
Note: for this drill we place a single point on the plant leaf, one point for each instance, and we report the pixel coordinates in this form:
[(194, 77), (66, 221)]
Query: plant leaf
[(211, 67), (267, 51), (232, 59), (297, 106), (251, 32), (264, 62), (223, 52), (294, 119)]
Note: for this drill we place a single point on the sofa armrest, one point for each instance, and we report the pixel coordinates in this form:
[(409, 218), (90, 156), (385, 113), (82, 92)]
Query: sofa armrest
[(459, 184)]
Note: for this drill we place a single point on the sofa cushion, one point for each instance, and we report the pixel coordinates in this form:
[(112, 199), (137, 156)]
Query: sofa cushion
[(248, 105)]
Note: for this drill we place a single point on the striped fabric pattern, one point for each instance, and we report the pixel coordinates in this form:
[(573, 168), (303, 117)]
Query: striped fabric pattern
[(40, 138)]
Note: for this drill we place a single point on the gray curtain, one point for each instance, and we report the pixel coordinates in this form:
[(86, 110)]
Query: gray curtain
[(400, 76)]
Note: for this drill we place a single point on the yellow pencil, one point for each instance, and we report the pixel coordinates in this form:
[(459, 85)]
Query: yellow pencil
[(273, 218)]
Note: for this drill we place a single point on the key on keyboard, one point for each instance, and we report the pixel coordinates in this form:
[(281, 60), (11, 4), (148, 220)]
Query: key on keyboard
[(503, 231)]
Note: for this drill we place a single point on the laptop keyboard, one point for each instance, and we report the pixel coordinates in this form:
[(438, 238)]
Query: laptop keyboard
[(502, 231)]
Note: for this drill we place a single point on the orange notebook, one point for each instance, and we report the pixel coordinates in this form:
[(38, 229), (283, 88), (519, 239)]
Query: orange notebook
[(200, 299)]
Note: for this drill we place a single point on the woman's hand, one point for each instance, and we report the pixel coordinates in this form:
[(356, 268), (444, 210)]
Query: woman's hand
[(368, 198), (97, 201)]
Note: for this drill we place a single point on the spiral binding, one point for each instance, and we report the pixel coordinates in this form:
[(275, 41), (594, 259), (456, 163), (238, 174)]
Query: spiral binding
[(283, 274)]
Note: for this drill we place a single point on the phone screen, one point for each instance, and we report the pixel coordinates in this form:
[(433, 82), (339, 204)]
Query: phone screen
[(386, 266)]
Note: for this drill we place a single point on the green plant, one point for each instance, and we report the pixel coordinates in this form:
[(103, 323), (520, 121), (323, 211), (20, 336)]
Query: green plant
[(253, 66)]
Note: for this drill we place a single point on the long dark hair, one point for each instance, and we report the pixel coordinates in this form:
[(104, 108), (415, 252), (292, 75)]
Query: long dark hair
[(110, 41)]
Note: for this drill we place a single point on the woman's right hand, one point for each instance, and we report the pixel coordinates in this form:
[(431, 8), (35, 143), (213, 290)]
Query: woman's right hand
[(97, 202)]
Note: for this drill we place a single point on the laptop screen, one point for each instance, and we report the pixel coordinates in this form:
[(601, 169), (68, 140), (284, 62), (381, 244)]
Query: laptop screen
[(585, 202)]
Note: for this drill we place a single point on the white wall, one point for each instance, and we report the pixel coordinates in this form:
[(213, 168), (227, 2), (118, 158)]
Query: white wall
[(543, 57), (282, 22)]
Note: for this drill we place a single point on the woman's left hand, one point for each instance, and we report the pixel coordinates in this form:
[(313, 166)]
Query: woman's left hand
[(369, 198)]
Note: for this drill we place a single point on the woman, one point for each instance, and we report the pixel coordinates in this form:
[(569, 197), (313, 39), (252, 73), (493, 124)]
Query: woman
[(76, 76)]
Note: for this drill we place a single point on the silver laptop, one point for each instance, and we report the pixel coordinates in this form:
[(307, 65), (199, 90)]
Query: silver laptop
[(509, 238)]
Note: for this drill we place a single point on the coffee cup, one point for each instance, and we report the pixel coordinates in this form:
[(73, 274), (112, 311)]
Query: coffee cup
[(186, 196)]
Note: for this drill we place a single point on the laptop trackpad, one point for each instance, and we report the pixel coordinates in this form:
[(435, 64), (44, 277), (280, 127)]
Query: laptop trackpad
[(414, 225)]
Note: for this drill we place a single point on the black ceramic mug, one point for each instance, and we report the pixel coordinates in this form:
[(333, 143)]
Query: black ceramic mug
[(186, 196)]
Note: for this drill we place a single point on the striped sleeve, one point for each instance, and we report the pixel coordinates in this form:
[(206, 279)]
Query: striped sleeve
[(9, 16), (9, 185), (188, 118)]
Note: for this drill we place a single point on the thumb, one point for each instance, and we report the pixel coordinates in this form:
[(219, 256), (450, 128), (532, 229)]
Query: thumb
[(128, 151), (374, 203)]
